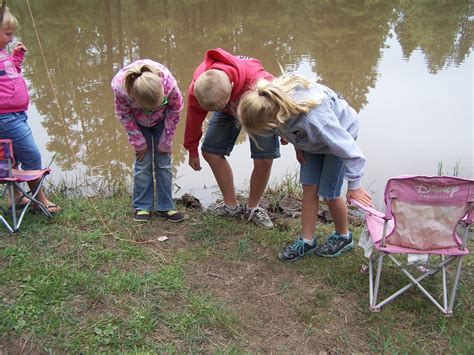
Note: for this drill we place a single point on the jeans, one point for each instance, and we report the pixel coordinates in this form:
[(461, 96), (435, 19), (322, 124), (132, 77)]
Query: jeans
[(14, 126), (222, 133), (144, 189)]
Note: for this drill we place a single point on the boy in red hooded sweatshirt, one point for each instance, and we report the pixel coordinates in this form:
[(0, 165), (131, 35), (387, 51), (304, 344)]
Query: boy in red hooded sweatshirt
[(217, 85)]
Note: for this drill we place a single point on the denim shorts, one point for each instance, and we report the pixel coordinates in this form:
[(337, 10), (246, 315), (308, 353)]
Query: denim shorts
[(222, 133), (324, 170), (14, 126)]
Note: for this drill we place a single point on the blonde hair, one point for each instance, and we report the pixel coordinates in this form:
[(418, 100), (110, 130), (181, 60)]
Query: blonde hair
[(270, 104), (212, 90), (143, 83), (9, 21)]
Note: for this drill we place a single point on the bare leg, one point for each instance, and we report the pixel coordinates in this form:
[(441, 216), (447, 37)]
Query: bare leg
[(258, 181), (310, 207), (41, 197), (223, 173), (338, 209)]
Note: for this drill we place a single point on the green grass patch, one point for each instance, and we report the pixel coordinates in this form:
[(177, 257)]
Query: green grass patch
[(90, 280)]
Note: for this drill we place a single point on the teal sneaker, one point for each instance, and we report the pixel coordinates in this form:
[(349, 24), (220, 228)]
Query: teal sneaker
[(335, 245), (297, 249)]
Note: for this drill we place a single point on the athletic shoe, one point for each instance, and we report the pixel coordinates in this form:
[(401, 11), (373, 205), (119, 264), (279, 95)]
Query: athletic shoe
[(141, 216), (171, 215), (259, 216), (335, 245), (297, 249), (222, 210)]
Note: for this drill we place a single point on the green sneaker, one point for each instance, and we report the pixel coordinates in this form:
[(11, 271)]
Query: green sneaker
[(172, 216), (141, 216)]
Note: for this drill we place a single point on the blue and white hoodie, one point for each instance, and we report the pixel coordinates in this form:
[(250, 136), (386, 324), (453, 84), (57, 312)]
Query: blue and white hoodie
[(329, 128)]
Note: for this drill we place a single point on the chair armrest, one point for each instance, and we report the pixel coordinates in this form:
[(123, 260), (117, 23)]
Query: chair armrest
[(369, 209)]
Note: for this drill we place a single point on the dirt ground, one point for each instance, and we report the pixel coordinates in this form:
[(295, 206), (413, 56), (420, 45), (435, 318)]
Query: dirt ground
[(274, 318)]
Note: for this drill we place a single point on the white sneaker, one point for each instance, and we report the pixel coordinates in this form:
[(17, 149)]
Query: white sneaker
[(222, 210), (259, 216)]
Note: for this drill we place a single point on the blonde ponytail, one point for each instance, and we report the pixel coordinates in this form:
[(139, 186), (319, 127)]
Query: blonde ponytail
[(271, 104), (9, 21), (143, 83)]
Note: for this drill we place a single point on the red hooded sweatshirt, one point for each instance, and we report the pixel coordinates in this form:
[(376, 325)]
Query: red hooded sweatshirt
[(242, 71)]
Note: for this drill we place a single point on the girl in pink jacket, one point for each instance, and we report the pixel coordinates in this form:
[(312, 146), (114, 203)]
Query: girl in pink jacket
[(13, 106), (148, 104)]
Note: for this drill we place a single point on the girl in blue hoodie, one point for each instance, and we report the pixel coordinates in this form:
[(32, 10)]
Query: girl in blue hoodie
[(323, 129)]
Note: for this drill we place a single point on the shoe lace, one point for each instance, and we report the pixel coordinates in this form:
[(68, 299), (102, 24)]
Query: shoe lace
[(218, 205), (298, 245), (331, 240), (259, 213)]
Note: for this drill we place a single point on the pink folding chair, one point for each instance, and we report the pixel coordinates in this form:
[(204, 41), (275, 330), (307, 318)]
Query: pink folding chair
[(14, 179), (423, 215)]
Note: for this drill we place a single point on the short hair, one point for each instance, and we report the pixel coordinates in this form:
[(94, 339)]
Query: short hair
[(9, 21), (143, 83), (270, 104), (212, 90)]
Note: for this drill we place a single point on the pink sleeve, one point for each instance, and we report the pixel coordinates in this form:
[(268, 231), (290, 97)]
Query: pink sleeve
[(125, 116), (18, 56), (175, 106)]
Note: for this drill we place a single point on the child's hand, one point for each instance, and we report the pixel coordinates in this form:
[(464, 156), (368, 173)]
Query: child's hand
[(300, 156), (360, 195), (21, 47), (160, 152), (283, 141), (140, 154), (194, 163)]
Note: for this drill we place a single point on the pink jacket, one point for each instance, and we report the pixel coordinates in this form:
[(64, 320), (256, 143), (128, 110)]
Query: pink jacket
[(13, 91), (130, 115)]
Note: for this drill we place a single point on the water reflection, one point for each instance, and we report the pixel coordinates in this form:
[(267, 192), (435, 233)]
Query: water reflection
[(87, 41)]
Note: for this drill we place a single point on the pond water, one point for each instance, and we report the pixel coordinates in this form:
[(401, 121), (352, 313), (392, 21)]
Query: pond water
[(406, 66)]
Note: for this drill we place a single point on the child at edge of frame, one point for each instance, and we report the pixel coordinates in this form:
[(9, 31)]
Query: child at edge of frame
[(14, 101)]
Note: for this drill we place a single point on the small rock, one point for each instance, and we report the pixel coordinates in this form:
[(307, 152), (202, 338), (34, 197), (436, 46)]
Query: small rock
[(189, 201)]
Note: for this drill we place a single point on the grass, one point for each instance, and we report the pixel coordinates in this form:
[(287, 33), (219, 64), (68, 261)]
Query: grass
[(91, 281)]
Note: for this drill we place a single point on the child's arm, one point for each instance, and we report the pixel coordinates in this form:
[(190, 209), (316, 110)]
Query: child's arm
[(18, 55), (341, 144), (195, 116), (175, 106), (125, 116)]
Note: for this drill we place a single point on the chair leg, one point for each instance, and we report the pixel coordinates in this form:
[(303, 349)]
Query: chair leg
[(374, 307), (31, 196), (444, 281), (11, 190), (6, 224), (416, 282), (449, 311)]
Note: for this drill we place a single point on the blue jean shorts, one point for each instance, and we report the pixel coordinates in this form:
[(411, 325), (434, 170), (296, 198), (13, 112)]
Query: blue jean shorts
[(14, 126), (223, 131), (324, 170)]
